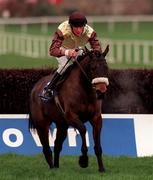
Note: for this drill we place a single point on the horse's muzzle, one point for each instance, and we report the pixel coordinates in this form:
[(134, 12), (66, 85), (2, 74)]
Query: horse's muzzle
[(100, 88), (100, 85)]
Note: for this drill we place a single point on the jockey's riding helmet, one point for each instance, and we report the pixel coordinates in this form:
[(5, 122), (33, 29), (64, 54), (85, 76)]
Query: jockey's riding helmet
[(77, 19)]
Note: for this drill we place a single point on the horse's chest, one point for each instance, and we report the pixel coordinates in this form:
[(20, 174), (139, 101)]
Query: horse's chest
[(87, 108), (86, 112)]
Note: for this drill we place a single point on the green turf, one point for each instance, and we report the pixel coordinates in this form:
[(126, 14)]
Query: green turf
[(121, 30), (124, 31), (17, 167), (19, 62)]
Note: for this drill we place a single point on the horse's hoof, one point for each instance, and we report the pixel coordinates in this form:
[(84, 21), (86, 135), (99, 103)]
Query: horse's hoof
[(83, 161), (56, 166), (102, 170), (51, 166)]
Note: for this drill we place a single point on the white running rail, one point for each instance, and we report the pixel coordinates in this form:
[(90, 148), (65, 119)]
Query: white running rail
[(121, 51)]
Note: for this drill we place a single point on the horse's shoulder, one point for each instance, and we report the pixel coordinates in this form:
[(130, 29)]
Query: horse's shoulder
[(44, 79), (41, 83)]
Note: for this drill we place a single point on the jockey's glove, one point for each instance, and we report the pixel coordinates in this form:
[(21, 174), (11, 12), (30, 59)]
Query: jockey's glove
[(71, 53), (80, 52)]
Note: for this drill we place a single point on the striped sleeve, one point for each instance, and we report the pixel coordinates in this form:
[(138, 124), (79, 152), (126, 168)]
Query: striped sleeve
[(56, 45)]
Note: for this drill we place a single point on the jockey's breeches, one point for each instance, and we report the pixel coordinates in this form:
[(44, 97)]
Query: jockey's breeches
[(61, 63)]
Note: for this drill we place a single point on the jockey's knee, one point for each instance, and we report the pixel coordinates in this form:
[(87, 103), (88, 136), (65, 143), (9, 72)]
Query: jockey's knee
[(62, 69), (62, 66)]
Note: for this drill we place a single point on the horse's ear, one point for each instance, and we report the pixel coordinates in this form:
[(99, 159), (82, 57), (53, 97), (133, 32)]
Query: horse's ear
[(106, 51)]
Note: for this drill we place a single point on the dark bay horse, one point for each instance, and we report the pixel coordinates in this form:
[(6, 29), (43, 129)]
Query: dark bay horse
[(79, 98)]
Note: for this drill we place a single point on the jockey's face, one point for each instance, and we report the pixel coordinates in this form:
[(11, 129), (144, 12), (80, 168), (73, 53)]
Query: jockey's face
[(77, 30)]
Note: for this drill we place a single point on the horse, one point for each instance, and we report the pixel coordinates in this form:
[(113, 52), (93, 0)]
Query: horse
[(80, 102)]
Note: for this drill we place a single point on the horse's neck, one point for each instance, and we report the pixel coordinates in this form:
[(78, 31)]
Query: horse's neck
[(77, 87), (78, 78), (75, 76)]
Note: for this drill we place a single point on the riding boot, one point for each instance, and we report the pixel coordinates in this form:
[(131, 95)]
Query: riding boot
[(49, 89)]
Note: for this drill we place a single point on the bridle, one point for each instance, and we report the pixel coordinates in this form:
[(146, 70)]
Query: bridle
[(57, 101), (95, 80)]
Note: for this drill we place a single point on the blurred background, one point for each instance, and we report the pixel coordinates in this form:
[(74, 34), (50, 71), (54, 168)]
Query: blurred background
[(27, 27)]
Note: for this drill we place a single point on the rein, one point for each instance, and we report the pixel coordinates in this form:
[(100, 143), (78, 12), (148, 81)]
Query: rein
[(82, 70), (79, 65), (56, 98)]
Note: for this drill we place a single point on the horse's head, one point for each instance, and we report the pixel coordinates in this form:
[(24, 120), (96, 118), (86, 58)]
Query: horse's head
[(98, 70)]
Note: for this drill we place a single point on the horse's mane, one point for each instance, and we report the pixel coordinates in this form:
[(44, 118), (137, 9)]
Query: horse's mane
[(90, 54)]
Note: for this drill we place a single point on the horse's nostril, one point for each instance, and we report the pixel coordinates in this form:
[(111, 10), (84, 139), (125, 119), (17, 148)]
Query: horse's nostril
[(100, 87)]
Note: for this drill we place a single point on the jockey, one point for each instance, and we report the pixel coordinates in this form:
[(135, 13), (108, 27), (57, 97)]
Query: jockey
[(69, 36)]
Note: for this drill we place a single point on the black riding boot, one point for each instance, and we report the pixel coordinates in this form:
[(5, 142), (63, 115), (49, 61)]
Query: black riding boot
[(49, 89)]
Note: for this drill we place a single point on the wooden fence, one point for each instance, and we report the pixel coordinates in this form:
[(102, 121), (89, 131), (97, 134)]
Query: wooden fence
[(121, 51)]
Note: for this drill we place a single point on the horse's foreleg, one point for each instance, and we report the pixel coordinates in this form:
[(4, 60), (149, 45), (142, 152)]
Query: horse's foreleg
[(75, 122), (83, 160), (97, 125), (44, 139), (60, 137)]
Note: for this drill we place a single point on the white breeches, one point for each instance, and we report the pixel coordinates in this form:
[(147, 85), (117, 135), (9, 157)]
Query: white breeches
[(61, 63)]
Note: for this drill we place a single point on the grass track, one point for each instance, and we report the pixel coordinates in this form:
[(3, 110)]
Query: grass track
[(17, 167), (10, 61), (121, 30)]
